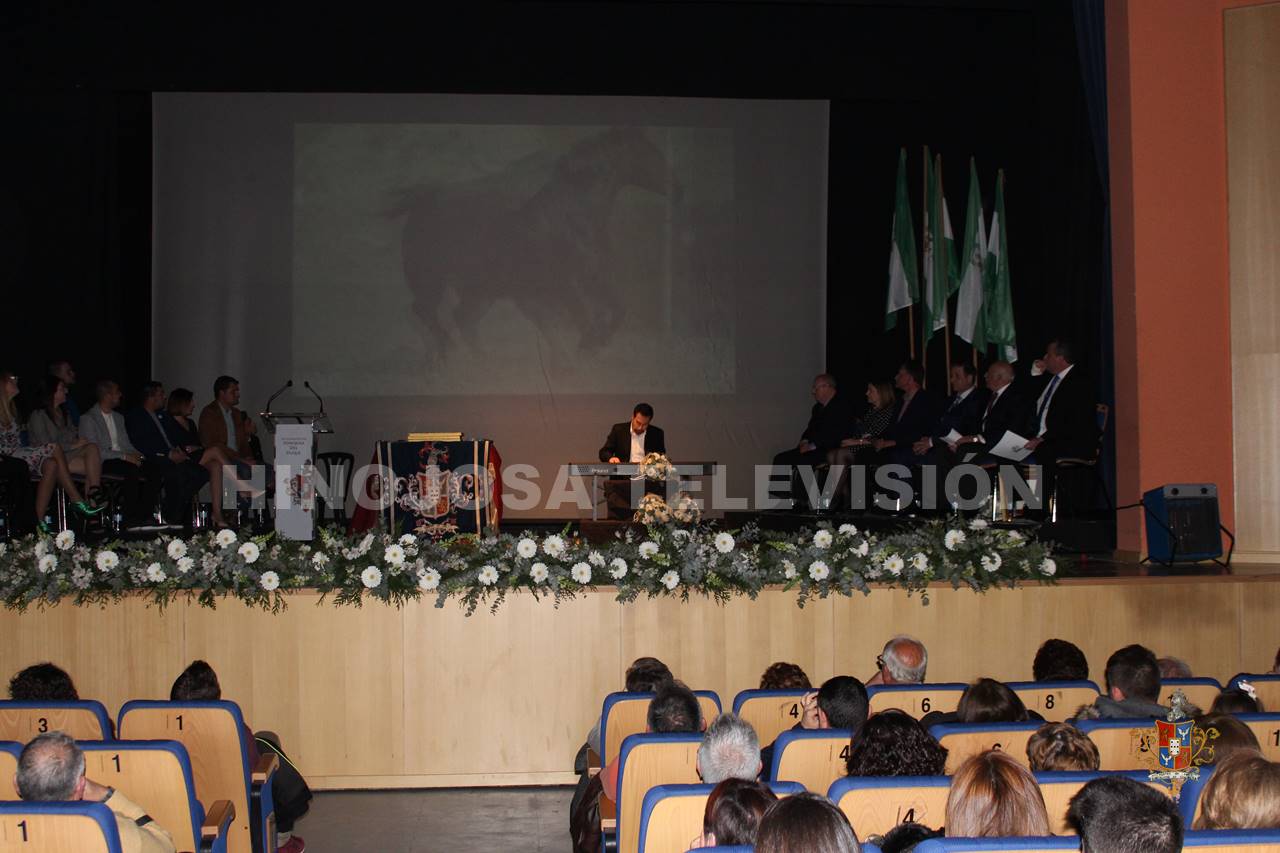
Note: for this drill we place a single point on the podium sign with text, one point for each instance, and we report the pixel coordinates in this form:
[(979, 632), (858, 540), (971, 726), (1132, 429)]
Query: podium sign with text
[(295, 481)]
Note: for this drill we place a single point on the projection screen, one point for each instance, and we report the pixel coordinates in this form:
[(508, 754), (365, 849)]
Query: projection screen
[(523, 269)]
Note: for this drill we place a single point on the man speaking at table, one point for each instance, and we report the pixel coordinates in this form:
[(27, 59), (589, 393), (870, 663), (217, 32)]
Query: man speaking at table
[(629, 441)]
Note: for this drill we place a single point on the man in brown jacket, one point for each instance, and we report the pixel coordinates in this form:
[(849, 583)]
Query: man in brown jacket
[(223, 425)]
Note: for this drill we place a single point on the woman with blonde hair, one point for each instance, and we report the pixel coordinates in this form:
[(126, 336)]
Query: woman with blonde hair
[(1243, 793), (993, 796), (46, 461), (1061, 746)]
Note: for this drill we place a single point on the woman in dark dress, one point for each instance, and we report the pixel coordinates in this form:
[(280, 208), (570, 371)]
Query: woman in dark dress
[(871, 425), (183, 433)]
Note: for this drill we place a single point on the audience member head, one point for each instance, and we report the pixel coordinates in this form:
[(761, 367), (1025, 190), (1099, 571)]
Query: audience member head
[(151, 396), (904, 837), (62, 369), (910, 376), (989, 701), (43, 682), (674, 709), (1061, 746), (226, 390), (107, 393), (880, 395), (842, 703), (197, 683), (181, 402), (1058, 660), (892, 743), (1059, 355), (1132, 673), (963, 376), (1233, 736), (1118, 815), (8, 390), (733, 813), (1242, 793), (824, 388), (53, 395), (998, 375), (992, 795), (646, 675), (1236, 701), (729, 750), (50, 769), (784, 676), (805, 823), (903, 661), (1171, 667)]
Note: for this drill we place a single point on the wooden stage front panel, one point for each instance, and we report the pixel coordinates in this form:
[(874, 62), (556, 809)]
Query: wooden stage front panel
[(426, 697)]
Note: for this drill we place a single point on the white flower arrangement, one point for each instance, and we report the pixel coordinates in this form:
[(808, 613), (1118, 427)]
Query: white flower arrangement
[(107, 561), (250, 552), (954, 539), (319, 558), (656, 466), (978, 524), (538, 573), (670, 580), (225, 538), (581, 573), (920, 562), (685, 510), (176, 549), (185, 565), (408, 540), (527, 548), (788, 569), (990, 562), (596, 559), (818, 570), (848, 530), (1013, 537), (724, 542), (269, 581), (66, 540), (863, 549), (822, 539), (371, 577), (894, 564), (1048, 567)]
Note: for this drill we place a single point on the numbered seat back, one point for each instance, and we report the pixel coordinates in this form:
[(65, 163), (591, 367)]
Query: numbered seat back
[(1044, 844), (1059, 787), (964, 740), (916, 699), (1266, 686), (672, 815), (813, 757), (77, 827), (876, 804), (1266, 728), (83, 720), (1124, 744), (646, 761), (155, 774), (770, 712), (1199, 691), (1232, 840), (211, 734), (1056, 701), (626, 714)]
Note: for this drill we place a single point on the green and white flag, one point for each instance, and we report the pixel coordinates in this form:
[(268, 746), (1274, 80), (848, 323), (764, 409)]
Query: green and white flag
[(969, 320), (939, 252), (997, 302), (904, 280)]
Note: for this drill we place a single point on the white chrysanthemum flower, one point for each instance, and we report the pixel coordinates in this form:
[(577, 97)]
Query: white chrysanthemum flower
[(553, 546), (596, 559), (618, 568), (47, 564), (581, 572), (724, 542), (864, 549), (848, 530), (670, 580), (371, 577), (155, 574), (408, 539), (66, 540), (954, 539), (250, 552), (4, 546), (818, 570), (1048, 568), (648, 548), (788, 569), (225, 538), (822, 539), (185, 565), (488, 576), (319, 558), (894, 564), (177, 549), (538, 573), (42, 548), (978, 524), (393, 555), (679, 535), (920, 562), (526, 548), (106, 561), (990, 562), (365, 544), (1013, 537), (269, 581), (429, 580)]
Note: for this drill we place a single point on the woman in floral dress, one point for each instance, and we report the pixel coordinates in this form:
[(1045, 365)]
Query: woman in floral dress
[(47, 461)]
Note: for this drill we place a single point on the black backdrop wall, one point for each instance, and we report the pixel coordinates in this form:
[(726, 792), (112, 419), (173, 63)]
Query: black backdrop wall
[(996, 80)]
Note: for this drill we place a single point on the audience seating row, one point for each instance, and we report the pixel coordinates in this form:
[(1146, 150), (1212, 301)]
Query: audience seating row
[(1208, 841)]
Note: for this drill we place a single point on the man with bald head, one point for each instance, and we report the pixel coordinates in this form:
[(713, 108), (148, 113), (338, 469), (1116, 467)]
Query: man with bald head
[(1006, 410), (830, 420), (903, 661)]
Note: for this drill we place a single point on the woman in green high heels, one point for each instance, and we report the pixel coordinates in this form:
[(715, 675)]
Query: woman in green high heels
[(47, 461)]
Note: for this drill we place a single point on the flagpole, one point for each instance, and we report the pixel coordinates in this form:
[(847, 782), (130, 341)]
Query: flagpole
[(924, 237), (946, 322), (911, 328)]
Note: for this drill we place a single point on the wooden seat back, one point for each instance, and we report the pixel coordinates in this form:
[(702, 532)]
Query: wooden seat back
[(814, 758), (77, 827), (82, 720), (916, 699), (1059, 787), (1056, 701), (876, 804), (1199, 691), (1266, 728), (1232, 841), (1124, 744), (649, 760), (155, 774), (770, 712), (9, 752), (1267, 688), (964, 740), (626, 714)]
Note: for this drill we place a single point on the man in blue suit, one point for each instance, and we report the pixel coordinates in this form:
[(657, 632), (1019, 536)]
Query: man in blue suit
[(182, 476)]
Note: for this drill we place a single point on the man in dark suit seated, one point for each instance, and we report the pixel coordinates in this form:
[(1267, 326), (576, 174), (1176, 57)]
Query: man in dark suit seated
[(960, 417), (182, 476), (917, 417), (1065, 423), (1005, 410), (830, 420), (630, 441)]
